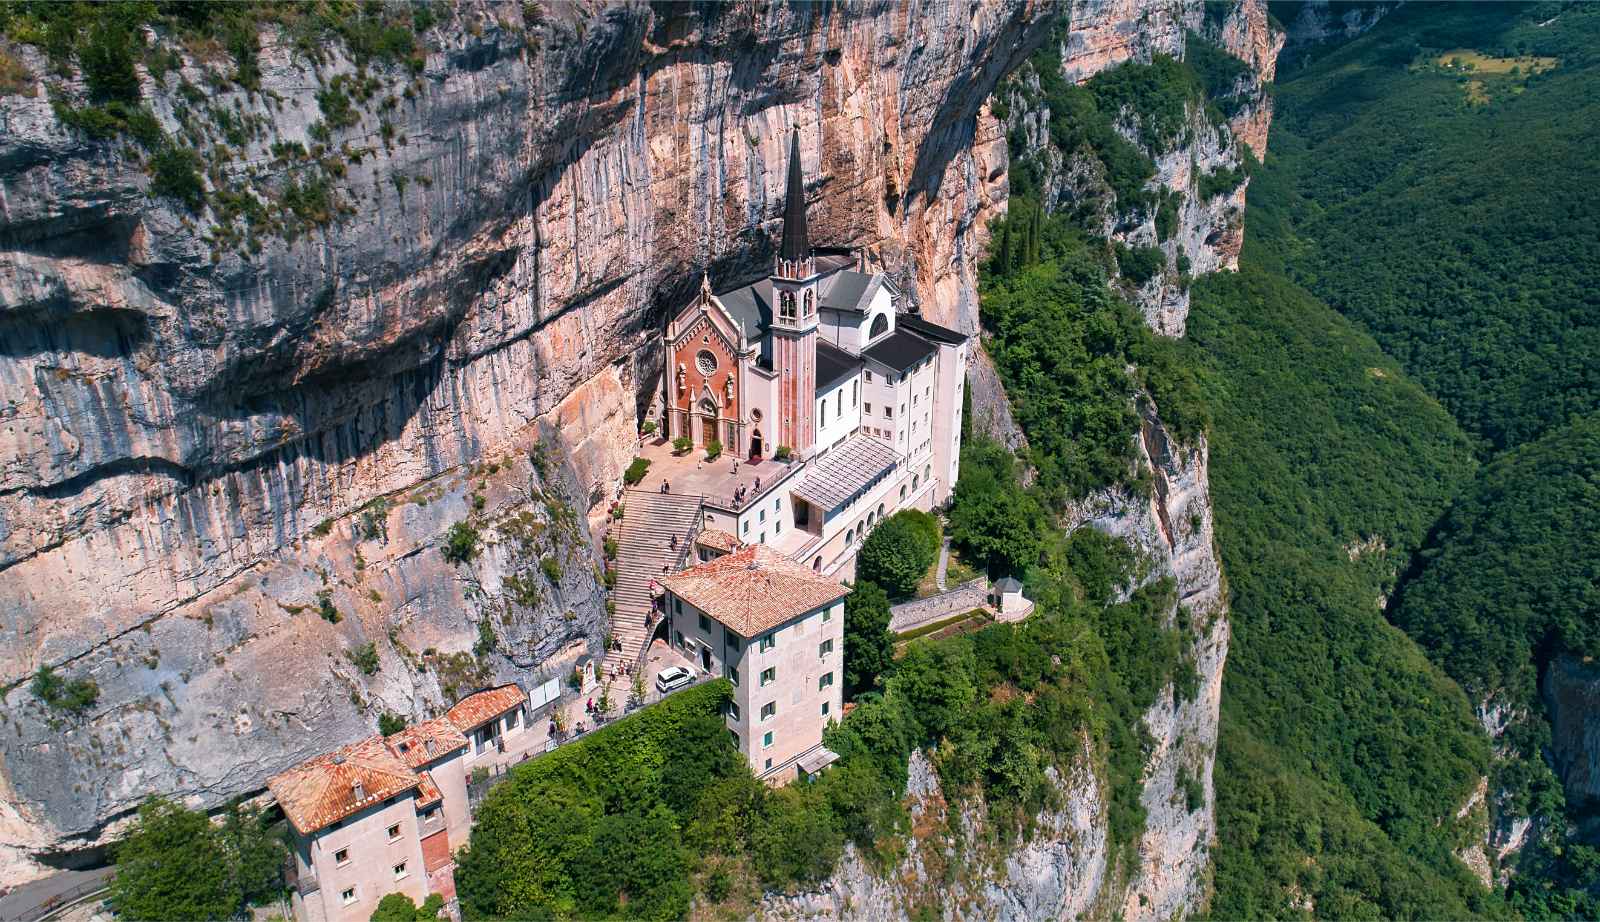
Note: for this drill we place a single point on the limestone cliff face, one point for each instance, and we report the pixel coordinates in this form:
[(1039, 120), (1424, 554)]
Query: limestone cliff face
[(180, 414)]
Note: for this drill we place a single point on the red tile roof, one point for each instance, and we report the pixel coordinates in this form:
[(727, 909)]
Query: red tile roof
[(427, 792), (717, 540), (411, 744), (754, 589), (321, 791), (479, 708)]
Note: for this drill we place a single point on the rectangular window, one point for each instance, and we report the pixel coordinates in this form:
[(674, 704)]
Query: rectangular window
[(769, 764), (400, 871), (868, 408), (768, 710), (679, 636), (733, 710), (735, 738), (349, 896), (838, 407), (768, 642), (855, 391), (745, 528), (677, 605), (869, 377), (769, 674), (766, 740), (762, 515), (824, 709), (827, 615), (394, 832), (824, 648), (342, 856), (705, 624), (733, 675), (825, 682), (888, 412), (732, 640)]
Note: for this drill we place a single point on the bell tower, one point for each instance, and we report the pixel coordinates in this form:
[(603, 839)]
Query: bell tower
[(794, 318)]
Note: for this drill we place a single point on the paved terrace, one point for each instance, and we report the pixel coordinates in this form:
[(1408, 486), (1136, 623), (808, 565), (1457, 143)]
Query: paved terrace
[(692, 474)]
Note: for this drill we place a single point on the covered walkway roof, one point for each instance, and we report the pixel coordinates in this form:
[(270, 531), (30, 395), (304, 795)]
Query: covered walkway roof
[(846, 472)]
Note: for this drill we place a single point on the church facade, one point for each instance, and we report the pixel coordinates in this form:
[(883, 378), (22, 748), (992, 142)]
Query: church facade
[(818, 364)]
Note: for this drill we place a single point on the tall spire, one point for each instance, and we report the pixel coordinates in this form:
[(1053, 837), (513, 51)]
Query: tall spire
[(795, 245)]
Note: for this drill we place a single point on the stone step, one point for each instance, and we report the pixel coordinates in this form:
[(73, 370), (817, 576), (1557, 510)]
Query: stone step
[(645, 552)]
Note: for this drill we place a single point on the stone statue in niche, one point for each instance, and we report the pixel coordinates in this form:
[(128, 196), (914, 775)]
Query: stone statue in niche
[(681, 377), (727, 387), (811, 302)]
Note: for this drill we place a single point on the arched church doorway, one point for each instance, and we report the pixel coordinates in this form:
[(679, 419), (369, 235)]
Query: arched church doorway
[(756, 444), (705, 422)]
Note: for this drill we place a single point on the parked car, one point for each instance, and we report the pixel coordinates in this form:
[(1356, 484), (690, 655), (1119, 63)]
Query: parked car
[(673, 678)]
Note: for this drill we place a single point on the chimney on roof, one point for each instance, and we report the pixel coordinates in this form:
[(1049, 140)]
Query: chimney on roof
[(359, 790)]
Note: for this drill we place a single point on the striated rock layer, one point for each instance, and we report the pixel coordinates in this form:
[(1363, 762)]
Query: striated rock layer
[(179, 417)]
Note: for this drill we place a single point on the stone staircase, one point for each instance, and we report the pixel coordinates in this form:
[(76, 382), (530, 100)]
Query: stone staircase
[(645, 552)]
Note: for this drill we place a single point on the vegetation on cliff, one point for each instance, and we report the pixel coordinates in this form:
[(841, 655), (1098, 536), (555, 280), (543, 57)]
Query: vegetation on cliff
[(1073, 353)]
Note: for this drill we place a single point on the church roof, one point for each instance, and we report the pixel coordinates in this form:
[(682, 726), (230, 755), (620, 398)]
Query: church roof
[(929, 330), (900, 350), (751, 307), (849, 290), (795, 245), (833, 365)]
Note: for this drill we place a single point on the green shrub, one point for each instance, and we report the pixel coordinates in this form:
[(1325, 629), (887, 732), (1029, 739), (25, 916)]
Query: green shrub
[(898, 552), (107, 54), (176, 174), (782, 453), (390, 724), (649, 427), (551, 568), (713, 449), (364, 657), (636, 471), (992, 518), (326, 609), (461, 543), (397, 907), (1139, 264), (75, 696), (868, 645), (682, 444)]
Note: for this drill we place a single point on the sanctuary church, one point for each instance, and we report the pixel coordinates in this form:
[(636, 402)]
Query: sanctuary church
[(814, 359)]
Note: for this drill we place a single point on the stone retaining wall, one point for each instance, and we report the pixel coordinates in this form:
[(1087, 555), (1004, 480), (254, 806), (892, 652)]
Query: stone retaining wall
[(908, 616)]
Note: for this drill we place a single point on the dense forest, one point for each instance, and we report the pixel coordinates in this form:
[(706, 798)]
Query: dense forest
[(1430, 181)]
